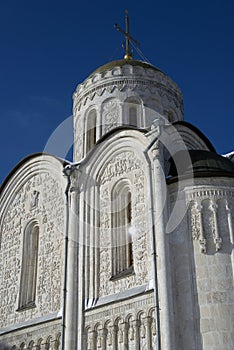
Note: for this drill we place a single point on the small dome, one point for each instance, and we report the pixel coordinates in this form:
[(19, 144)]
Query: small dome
[(121, 63), (200, 161)]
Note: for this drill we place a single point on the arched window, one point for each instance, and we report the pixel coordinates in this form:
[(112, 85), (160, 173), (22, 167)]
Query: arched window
[(133, 116), (132, 112), (29, 266), (122, 252), (90, 130)]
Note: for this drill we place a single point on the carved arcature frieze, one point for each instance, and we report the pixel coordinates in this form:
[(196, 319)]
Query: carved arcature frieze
[(47, 339), (125, 326), (206, 222)]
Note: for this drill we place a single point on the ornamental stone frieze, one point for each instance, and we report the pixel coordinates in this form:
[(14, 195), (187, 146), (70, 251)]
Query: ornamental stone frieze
[(131, 325), (210, 216), (125, 76)]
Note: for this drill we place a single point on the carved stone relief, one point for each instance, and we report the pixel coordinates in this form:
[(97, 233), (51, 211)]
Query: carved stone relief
[(45, 341), (126, 165), (123, 329), (110, 115), (40, 198), (84, 94), (79, 139), (208, 218)]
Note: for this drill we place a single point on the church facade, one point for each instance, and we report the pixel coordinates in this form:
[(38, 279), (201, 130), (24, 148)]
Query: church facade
[(131, 245)]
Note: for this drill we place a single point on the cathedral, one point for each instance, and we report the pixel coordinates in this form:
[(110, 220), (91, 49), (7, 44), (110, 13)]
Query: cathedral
[(130, 246)]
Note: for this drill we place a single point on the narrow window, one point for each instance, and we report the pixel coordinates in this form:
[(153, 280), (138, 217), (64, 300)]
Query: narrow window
[(90, 130), (29, 266), (122, 252), (133, 116)]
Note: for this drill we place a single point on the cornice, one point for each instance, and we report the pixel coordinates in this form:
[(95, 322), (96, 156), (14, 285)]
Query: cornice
[(122, 84)]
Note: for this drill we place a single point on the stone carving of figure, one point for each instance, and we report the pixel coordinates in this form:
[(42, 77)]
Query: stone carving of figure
[(34, 199)]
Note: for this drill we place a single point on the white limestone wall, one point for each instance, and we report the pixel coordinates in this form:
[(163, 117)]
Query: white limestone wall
[(127, 324), (42, 335), (34, 192), (117, 311), (112, 163), (202, 267)]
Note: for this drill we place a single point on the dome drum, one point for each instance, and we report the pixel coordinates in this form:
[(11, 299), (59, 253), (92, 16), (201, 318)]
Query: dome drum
[(120, 93)]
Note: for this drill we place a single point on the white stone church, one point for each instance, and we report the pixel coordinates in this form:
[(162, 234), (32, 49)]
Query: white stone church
[(131, 245)]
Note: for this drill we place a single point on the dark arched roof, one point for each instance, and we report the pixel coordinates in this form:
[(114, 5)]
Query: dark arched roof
[(200, 162), (198, 132)]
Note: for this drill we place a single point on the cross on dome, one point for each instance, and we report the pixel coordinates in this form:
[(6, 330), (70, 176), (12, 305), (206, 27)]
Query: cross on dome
[(128, 38)]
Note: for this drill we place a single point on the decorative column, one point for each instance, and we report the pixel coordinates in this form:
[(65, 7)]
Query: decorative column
[(202, 239), (71, 306), (153, 333), (229, 219), (99, 122), (123, 336), (101, 339), (146, 322), (136, 325), (131, 335), (113, 337), (196, 225), (165, 307), (91, 340), (216, 236)]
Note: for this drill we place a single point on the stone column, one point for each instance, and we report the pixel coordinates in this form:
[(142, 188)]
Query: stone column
[(72, 268), (146, 323), (197, 225), (217, 238), (99, 122), (124, 336), (229, 218), (114, 333), (166, 328), (91, 338), (136, 325), (101, 339)]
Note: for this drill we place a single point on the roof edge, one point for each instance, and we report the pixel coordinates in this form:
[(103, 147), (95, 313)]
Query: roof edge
[(26, 159), (198, 132)]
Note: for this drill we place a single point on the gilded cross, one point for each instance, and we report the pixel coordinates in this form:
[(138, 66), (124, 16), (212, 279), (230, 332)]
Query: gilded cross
[(128, 38)]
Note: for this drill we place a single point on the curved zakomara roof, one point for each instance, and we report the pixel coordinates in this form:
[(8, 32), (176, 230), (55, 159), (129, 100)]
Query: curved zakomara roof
[(203, 161), (193, 137), (24, 162), (129, 142), (121, 63), (200, 163), (112, 133)]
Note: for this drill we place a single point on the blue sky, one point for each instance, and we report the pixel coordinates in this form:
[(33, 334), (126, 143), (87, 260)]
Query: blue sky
[(49, 46)]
